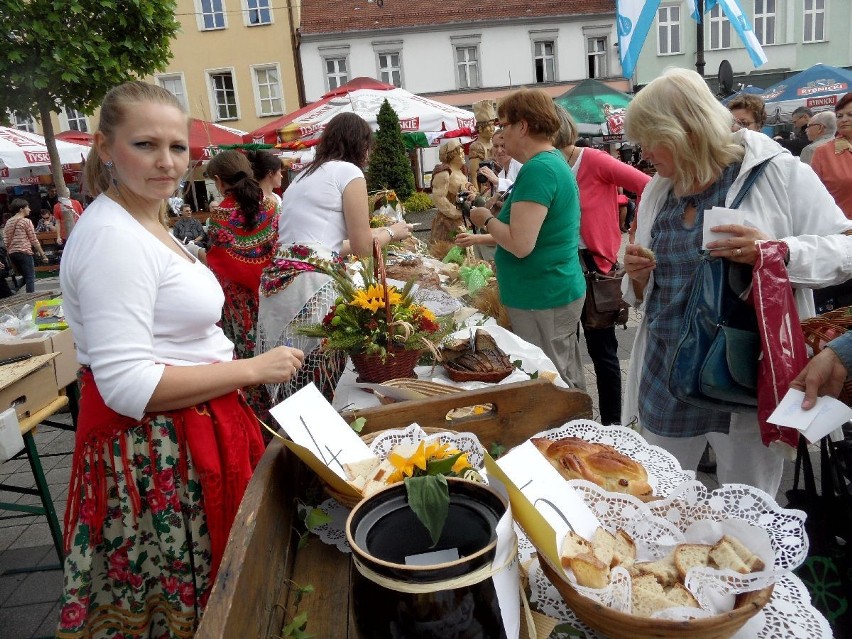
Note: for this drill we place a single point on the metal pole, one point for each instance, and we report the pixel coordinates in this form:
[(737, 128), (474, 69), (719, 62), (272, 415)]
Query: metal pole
[(699, 39)]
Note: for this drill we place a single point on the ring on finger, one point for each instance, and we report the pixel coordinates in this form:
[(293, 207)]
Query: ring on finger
[(738, 252)]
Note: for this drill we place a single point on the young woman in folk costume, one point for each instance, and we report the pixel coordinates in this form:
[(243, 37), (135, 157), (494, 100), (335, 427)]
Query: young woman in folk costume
[(242, 242), (324, 215), (165, 444)]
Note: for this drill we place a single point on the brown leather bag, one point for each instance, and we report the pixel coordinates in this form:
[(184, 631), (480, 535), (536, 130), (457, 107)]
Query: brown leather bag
[(604, 306)]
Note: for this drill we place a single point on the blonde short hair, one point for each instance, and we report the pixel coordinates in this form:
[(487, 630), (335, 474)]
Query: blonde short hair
[(678, 111), (567, 133)]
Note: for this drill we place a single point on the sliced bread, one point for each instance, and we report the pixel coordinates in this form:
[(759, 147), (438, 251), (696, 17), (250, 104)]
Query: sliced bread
[(603, 546), (688, 556), (663, 569), (726, 558), (625, 550), (678, 595), (572, 546), (590, 571)]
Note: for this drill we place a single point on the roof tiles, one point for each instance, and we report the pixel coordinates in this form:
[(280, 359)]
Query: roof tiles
[(343, 16)]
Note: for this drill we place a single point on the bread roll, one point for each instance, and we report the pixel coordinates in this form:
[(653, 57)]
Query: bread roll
[(601, 464)]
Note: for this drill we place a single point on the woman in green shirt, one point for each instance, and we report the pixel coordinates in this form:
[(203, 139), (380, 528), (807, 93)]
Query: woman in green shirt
[(537, 232)]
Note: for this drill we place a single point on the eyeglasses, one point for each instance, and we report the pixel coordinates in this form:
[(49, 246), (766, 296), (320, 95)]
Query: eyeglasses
[(745, 123), (815, 124)]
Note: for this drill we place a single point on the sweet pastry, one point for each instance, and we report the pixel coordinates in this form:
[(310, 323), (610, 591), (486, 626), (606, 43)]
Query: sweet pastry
[(600, 464)]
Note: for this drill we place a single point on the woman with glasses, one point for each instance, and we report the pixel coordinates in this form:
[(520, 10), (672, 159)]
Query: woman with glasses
[(686, 134), (833, 162), (749, 112), (537, 234)]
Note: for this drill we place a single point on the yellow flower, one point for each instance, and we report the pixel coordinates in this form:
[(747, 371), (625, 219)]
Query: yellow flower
[(373, 298), (406, 465), (427, 314)]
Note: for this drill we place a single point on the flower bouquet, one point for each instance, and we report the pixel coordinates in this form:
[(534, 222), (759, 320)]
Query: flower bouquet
[(383, 330)]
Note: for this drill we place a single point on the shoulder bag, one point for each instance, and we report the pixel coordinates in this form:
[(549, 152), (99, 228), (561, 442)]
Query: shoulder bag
[(715, 361), (604, 306)]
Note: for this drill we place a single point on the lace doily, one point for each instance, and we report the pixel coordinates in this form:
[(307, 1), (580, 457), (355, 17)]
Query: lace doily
[(438, 301), (467, 443), (788, 613), (659, 525), (664, 471)]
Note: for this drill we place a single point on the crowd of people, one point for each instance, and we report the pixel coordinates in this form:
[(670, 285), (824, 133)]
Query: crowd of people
[(186, 337)]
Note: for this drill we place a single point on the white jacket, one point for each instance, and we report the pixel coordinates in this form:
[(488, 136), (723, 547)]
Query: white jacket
[(788, 202)]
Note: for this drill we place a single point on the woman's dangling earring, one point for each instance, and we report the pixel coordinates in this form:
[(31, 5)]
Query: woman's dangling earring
[(109, 164)]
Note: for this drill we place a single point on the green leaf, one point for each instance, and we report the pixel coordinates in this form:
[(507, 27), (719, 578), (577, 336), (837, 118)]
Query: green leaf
[(429, 498), (298, 623), (442, 466), (496, 449), (567, 629), (316, 518), (358, 424)]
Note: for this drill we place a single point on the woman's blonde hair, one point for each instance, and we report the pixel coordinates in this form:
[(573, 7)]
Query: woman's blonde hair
[(678, 111), (567, 133), (97, 176)]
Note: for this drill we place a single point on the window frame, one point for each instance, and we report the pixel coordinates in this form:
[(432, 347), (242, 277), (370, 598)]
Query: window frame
[(552, 58), (17, 122), (763, 18), (813, 13), (718, 20), (201, 14), (328, 75), (247, 11), (468, 64), (671, 26), (601, 54), (214, 105), (66, 119), (168, 77), (258, 100)]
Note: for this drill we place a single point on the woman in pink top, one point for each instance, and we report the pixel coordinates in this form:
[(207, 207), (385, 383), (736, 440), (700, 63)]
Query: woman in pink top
[(20, 238), (832, 162), (598, 177)]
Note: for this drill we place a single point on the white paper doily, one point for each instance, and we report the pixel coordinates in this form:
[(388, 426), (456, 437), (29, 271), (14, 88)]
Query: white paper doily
[(787, 615), (664, 471), (467, 443)]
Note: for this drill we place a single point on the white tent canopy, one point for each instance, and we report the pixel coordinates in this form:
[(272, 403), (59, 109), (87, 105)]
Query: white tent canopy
[(24, 154)]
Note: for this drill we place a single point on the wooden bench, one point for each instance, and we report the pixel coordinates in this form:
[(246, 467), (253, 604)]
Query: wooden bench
[(263, 566)]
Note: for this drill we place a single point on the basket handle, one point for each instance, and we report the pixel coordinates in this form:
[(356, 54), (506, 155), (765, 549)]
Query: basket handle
[(382, 278)]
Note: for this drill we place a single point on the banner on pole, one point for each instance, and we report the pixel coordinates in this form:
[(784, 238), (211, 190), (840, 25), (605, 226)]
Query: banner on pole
[(634, 19)]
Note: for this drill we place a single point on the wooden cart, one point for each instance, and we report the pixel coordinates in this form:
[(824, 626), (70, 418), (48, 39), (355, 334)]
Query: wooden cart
[(253, 594)]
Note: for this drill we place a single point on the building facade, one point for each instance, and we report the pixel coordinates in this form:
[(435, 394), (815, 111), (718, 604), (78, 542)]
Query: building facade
[(459, 53), (795, 35)]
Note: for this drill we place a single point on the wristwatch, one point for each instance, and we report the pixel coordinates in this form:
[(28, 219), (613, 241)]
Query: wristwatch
[(485, 223), (391, 233)]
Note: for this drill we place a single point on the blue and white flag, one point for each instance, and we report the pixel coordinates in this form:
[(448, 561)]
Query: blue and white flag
[(634, 19), (742, 26), (692, 8)]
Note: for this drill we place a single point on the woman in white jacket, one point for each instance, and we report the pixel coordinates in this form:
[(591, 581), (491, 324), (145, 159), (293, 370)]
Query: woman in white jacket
[(686, 134)]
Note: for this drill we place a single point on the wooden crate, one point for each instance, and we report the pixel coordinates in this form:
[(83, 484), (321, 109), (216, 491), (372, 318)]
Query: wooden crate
[(253, 593)]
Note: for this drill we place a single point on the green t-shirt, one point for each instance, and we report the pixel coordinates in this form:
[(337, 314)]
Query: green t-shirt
[(550, 276)]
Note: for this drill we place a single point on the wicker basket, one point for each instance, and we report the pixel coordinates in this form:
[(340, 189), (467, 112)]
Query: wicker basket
[(398, 364), (351, 502), (619, 625), (822, 329)]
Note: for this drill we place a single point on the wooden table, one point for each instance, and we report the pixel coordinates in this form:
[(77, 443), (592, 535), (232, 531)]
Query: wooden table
[(263, 566), (28, 426)]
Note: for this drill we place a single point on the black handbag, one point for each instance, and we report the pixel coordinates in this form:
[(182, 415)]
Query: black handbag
[(827, 571), (715, 361)]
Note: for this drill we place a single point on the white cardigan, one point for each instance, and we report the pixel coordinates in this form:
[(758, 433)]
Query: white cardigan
[(788, 202)]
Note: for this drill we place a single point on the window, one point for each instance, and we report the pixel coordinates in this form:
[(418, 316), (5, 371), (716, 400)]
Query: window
[(174, 85), (268, 90), (22, 122), (467, 64), (258, 12), (224, 96), (668, 30), (544, 57), (764, 21), (212, 14), (814, 21), (596, 57), (390, 70), (76, 120), (335, 72), (720, 29)]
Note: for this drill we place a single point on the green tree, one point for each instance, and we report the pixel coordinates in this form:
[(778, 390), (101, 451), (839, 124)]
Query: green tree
[(69, 53), (390, 167)]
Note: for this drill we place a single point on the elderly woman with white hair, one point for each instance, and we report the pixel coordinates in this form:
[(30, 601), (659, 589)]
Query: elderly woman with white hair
[(686, 134)]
